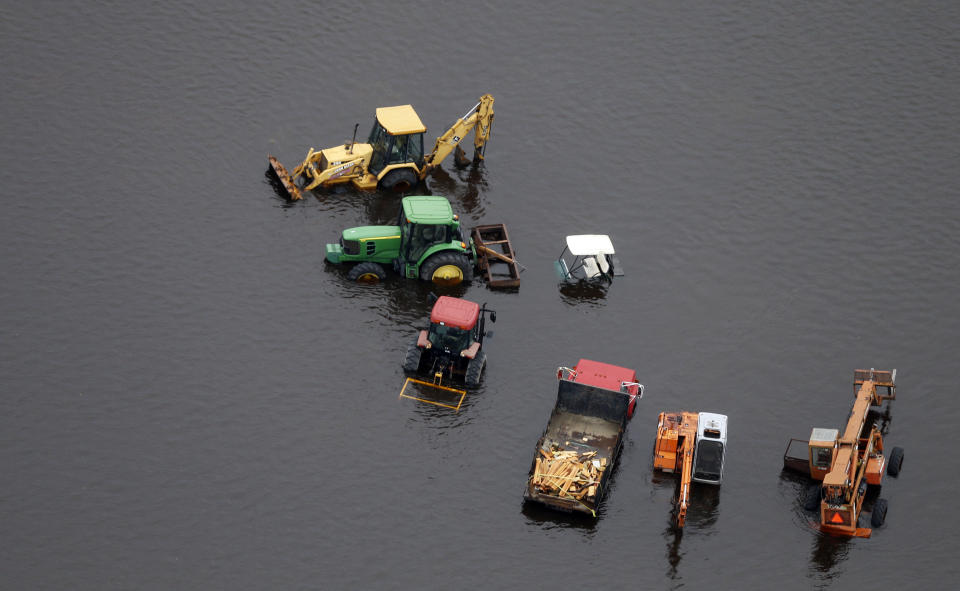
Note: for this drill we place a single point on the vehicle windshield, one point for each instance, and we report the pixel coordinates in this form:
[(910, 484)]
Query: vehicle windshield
[(709, 460), (379, 139), (581, 267), (407, 148), (449, 338), (418, 237)]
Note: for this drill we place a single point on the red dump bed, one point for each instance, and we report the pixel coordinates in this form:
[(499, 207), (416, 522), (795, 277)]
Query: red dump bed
[(603, 375)]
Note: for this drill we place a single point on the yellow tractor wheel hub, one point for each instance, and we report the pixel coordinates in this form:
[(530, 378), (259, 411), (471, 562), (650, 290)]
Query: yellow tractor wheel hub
[(368, 278), (448, 275)]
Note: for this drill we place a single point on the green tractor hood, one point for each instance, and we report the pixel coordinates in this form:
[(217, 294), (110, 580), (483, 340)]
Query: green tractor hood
[(379, 244)]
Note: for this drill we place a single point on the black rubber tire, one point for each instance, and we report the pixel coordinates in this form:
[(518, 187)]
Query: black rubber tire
[(895, 461), (472, 377), (879, 513), (399, 179), (811, 498), (444, 258), (365, 273), (411, 361)]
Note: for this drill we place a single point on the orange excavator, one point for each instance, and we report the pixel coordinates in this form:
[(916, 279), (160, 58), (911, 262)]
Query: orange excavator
[(846, 464), (692, 444)]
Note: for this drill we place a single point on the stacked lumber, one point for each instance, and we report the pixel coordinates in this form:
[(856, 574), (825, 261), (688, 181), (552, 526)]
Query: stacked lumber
[(567, 474)]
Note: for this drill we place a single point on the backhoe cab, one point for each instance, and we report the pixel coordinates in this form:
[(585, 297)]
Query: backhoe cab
[(393, 157)]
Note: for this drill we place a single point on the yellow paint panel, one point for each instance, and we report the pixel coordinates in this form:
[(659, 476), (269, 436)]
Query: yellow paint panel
[(400, 120)]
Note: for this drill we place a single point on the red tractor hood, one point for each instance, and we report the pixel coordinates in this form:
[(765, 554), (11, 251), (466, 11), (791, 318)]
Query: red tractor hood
[(455, 312)]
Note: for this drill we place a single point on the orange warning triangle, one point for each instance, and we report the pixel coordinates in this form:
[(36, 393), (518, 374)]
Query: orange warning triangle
[(836, 518)]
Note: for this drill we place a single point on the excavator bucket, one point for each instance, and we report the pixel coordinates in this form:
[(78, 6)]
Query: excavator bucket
[(286, 181), (433, 393)]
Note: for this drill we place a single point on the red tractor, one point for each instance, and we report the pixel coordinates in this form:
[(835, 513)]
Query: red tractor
[(452, 346)]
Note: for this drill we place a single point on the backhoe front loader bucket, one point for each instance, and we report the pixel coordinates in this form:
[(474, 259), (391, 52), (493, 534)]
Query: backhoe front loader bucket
[(433, 393), (286, 181)]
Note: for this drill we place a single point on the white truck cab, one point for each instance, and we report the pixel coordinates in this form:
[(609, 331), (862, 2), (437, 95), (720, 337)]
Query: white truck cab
[(711, 446)]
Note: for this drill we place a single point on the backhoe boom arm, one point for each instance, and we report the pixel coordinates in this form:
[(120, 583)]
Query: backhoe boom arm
[(479, 119)]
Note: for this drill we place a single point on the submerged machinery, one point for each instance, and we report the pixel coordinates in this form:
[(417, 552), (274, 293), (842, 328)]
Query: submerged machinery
[(847, 464), (693, 445)]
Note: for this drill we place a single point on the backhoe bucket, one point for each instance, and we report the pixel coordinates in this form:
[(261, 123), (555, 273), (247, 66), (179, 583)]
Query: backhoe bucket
[(460, 157), (433, 393), (286, 181)]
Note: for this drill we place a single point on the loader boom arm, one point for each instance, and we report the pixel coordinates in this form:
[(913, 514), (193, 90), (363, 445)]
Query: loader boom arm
[(479, 119)]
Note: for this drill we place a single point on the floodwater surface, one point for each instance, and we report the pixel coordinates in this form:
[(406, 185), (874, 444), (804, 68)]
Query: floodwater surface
[(191, 398)]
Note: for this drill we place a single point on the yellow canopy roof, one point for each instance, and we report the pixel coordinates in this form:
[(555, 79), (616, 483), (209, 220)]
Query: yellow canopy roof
[(400, 120)]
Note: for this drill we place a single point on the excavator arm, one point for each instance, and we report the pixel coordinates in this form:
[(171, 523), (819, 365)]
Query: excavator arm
[(673, 452), (683, 498), (479, 119)]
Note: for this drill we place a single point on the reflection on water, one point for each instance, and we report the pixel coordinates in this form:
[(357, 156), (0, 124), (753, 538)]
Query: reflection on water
[(704, 506), (464, 191), (548, 518), (592, 293), (702, 514), (441, 418), (703, 509), (673, 536), (827, 553)]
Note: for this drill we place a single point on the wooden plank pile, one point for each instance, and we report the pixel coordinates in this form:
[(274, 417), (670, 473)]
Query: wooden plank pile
[(568, 474)]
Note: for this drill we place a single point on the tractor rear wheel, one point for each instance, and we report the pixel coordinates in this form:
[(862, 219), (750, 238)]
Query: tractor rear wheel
[(399, 179), (474, 369), (447, 268), (895, 461), (367, 273), (879, 513), (411, 361)]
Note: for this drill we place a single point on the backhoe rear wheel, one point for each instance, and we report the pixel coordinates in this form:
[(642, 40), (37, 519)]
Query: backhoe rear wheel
[(474, 369), (399, 179), (367, 273), (447, 268), (879, 513)]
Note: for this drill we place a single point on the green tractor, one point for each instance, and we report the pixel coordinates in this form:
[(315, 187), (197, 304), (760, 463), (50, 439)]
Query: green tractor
[(427, 243)]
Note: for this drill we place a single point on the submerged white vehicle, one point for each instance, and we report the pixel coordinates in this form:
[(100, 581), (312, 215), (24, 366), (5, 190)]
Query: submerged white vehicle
[(711, 445), (587, 257)]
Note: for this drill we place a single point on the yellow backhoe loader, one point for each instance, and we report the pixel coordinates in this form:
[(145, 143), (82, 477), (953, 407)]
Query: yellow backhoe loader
[(393, 157)]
